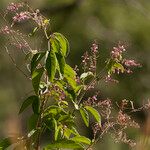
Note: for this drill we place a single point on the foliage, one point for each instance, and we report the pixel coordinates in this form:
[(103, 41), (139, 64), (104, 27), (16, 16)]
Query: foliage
[(59, 100)]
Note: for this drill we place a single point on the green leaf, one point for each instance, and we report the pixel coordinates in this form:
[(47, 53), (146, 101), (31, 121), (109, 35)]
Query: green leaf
[(32, 122), (58, 132), (113, 65), (55, 46), (36, 77), (94, 112), (85, 116), (28, 102), (4, 143), (36, 59), (53, 111), (64, 44), (49, 123), (68, 144), (87, 77), (81, 139), (61, 62), (56, 129), (69, 71), (33, 32), (119, 66), (66, 133), (36, 106), (51, 65), (70, 76), (73, 130)]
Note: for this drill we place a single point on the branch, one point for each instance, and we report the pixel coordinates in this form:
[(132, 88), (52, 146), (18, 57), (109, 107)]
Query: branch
[(13, 61)]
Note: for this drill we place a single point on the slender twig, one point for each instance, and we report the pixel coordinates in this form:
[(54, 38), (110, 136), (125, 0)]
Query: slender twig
[(12, 34), (100, 136), (95, 79), (14, 63)]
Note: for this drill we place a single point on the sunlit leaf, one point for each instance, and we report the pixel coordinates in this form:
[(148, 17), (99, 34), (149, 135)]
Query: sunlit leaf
[(119, 67), (61, 62), (63, 144), (94, 112), (53, 111), (64, 44), (55, 44), (70, 76), (81, 139), (85, 116), (56, 129), (69, 71), (51, 65), (73, 130)]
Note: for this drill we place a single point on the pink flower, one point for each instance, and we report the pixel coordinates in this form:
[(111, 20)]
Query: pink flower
[(6, 30), (22, 16), (131, 63), (13, 7), (116, 53), (108, 78)]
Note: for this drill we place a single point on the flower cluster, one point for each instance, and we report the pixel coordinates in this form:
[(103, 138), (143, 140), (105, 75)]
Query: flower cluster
[(131, 63), (108, 78), (21, 16), (6, 30), (118, 64), (89, 60), (13, 7), (21, 45), (120, 135), (113, 120), (91, 100), (39, 19), (124, 119), (116, 53), (94, 53)]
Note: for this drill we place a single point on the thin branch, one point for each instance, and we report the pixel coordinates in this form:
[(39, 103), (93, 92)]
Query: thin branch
[(13, 61)]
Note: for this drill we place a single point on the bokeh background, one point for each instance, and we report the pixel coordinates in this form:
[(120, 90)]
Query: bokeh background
[(83, 21)]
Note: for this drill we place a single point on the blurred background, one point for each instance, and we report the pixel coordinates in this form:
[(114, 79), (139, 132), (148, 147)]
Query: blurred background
[(83, 21)]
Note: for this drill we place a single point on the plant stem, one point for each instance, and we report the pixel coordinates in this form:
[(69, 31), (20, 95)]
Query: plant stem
[(39, 124)]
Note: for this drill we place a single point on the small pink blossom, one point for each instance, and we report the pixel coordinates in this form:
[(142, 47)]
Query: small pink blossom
[(131, 63), (13, 7), (21, 16), (20, 45), (6, 30), (94, 48), (116, 53), (108, 78)]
